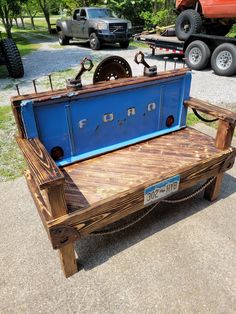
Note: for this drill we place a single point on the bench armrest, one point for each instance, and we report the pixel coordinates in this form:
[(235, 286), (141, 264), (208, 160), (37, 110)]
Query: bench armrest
[(40, 163), (215, 111)]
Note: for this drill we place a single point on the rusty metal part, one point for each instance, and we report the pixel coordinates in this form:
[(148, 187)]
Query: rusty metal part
[(175, 62), (86, 65), (148, 70), (165, 59), (18, 90), (112, 68), (139, 59), (50, 81), (35, 87)]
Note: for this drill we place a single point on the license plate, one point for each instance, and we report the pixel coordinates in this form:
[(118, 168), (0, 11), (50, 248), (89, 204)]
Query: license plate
[(161, 190)]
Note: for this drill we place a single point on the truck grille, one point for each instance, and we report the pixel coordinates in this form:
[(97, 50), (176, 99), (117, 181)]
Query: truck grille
[(117, 27)]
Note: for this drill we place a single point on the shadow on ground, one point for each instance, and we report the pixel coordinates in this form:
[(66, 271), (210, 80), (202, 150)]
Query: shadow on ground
[(96, 250)]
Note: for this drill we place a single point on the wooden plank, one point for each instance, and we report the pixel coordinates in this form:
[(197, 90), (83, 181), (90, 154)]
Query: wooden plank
[(58, 208), (215, 111), (41, 165), (223, 141), (96, 179), (40, 203), (110, 210), (224, 134)]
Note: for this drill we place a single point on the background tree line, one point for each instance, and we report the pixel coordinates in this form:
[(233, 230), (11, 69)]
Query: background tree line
[(140, 12)]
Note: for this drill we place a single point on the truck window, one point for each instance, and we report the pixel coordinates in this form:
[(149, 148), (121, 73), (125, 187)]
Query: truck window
[(99, 13), (76, 13), (83, 13)]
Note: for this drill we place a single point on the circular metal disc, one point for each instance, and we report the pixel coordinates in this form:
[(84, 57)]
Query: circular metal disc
[(112, 68)]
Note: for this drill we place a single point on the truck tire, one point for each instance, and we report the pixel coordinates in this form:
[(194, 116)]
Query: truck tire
[(217, 29), (12, 58), (187, 23), (124, 44), (197, 55), (94, 42), (63, 40), (223, 60)]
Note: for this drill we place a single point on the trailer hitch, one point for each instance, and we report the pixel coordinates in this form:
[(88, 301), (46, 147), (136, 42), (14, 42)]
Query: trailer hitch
[(148, 70), (86, 65)]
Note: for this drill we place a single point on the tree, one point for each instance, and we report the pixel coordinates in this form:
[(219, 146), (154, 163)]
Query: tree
[(9, 10), (31, 7)]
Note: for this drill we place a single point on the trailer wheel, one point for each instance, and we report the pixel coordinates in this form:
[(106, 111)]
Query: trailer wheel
[(223, 60), (13, 59), (63, 40), (197, 55), (187, 23)]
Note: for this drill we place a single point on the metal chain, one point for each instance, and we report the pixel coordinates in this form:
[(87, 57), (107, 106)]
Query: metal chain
[(198, 191), (148, 211), (202, 118)]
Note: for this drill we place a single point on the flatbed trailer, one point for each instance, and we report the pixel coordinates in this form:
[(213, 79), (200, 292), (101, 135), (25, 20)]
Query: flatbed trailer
[(200, 50)]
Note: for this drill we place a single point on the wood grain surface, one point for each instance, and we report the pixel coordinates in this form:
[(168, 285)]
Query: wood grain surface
[(96, 179), (40, 163), (215, 111)]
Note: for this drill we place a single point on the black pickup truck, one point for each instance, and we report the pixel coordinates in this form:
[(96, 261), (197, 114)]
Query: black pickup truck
[(97, 25)]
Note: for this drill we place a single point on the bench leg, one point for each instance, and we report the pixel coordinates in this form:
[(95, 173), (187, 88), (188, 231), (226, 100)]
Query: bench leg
[(213, 190), (56, 196), (68, 260)]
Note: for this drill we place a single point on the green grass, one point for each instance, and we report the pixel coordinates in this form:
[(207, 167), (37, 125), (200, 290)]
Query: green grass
[(232, 32), (11, 160)]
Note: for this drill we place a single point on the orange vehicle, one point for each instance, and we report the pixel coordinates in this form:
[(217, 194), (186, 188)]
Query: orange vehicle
[(214, 17)]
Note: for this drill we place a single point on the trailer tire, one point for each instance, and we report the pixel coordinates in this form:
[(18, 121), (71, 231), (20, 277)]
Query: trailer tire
[(223, 60), (197, 55), (13, 59), (187, 23)]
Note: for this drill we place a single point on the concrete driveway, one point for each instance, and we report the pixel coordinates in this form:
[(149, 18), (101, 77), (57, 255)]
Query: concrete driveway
[(180, 259)]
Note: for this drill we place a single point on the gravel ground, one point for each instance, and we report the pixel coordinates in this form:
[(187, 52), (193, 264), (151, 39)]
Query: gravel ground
[(52, 58)]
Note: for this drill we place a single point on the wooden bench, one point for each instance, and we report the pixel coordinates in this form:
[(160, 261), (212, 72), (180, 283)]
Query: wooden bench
[(77, 199)]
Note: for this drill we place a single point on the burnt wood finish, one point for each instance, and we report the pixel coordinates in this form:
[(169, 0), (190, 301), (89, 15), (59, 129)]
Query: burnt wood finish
[(223, 141), (123, 204), (83, 197), (218, 112), (99, 194), (40, 163)]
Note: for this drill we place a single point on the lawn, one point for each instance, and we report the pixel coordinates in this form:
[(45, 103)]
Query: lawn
[(11, 160)]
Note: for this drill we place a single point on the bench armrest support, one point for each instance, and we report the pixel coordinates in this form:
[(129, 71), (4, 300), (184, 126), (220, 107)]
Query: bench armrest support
[(215, 111), (41, 165)]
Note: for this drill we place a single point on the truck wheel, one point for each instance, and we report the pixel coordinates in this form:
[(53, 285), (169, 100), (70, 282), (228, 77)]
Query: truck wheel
[(94, 42), (63, 40), (218, 29), (187, 23), (197, 55), (223, 60), (13, 59), (124, 44)]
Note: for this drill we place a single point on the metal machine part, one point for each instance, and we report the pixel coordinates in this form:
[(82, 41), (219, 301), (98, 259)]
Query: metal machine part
[(86, 65), (112, 68), (148, 70)]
